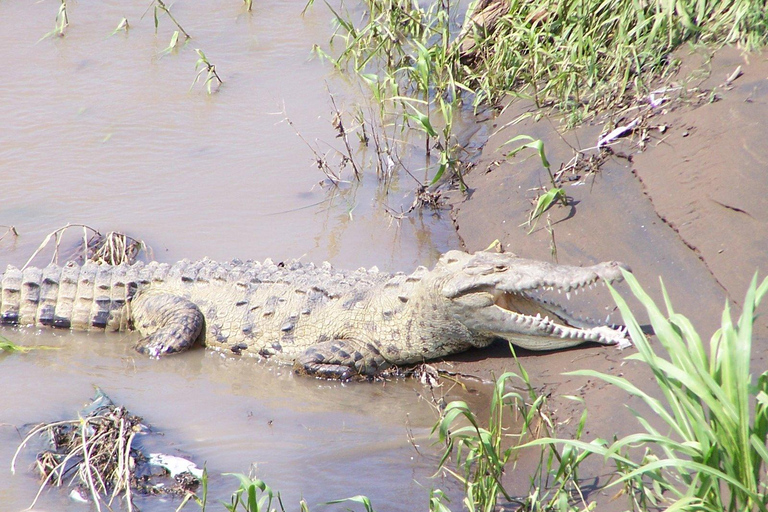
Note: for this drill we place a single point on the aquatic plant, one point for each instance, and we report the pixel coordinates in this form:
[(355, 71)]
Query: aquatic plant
[(401, 52), (158, 7), (253, 495), (123, 25), (62, 22), (8, 346), (203, 65), (483, 453), (579, 57)]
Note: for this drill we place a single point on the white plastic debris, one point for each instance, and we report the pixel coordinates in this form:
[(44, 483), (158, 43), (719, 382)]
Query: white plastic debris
[(175, 465), (618, 132), (77, 496)]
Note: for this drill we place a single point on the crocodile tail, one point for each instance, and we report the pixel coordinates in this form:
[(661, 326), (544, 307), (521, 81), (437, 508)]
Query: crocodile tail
[(88, 297)]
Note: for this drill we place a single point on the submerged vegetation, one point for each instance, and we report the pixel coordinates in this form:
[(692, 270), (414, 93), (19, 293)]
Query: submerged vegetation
[(159, 8)]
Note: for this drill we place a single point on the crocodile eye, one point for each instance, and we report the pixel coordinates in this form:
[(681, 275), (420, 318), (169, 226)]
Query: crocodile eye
[(501, 267)]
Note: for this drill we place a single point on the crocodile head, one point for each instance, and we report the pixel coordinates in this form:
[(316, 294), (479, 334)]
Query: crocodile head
[(501, 296)]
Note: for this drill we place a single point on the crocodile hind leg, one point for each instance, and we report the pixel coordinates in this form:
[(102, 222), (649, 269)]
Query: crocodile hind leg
[(168, 323), (341, 359)]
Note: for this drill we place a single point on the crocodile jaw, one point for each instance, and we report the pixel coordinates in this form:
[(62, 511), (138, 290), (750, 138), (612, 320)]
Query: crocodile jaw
[(497, 295), (536, 324), (529, 322)]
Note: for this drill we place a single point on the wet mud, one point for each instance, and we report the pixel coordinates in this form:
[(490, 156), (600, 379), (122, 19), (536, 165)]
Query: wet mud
[(691, 208)]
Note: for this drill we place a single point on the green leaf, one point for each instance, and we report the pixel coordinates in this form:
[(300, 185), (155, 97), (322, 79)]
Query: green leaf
[(544, 202), (173, 43), (422, 119), (363, 500), (536, 144)]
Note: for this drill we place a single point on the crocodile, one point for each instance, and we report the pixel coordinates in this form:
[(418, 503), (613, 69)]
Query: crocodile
[(326, 322)]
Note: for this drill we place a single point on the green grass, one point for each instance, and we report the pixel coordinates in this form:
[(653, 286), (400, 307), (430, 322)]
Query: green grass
[(482, 454), (62, 22), (402, 52), (579, 56), (588, 54), (704, 448)]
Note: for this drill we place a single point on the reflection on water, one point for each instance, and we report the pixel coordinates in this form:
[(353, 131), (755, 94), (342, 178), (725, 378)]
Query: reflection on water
[(105, 130)]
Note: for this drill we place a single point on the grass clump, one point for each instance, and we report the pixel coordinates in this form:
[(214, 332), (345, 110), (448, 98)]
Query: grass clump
[(95, 450), (577, 56), (483, 453), (716, 413), (114, 248), (96, 455), (401, 50), (593, 53)]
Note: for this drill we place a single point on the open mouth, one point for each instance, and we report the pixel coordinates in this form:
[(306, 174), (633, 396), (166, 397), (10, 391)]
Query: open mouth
[(535, 315)]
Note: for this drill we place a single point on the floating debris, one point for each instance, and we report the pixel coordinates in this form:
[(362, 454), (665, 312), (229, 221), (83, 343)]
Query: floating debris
[(95, 454)]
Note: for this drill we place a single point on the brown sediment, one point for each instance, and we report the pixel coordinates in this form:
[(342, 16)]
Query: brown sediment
[(690, 207)]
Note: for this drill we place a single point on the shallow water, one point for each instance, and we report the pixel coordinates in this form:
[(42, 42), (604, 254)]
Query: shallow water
[(307, 438), (104, 130)]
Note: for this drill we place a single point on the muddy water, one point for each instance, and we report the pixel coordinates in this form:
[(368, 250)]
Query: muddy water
[(104, 130), (307, 438)]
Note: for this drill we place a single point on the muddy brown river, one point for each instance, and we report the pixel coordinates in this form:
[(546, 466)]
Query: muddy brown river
[(105, 130)]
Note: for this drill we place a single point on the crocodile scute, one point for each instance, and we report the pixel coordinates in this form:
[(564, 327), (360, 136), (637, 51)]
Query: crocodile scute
[(326, 322)]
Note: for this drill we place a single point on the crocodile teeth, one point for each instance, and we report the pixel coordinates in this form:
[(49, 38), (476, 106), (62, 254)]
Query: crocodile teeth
[(568, 295)]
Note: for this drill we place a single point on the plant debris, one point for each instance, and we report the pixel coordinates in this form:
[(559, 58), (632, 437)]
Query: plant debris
[(95, 454), (114, 248)]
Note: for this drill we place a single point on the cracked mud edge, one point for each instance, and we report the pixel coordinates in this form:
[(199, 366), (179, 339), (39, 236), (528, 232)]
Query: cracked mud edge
[(671, 225)]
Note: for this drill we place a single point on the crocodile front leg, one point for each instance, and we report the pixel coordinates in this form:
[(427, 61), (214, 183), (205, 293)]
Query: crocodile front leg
[(168, 323), (341, 359)]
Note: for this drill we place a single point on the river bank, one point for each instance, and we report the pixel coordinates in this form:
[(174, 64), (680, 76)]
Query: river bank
[(683, 197)]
